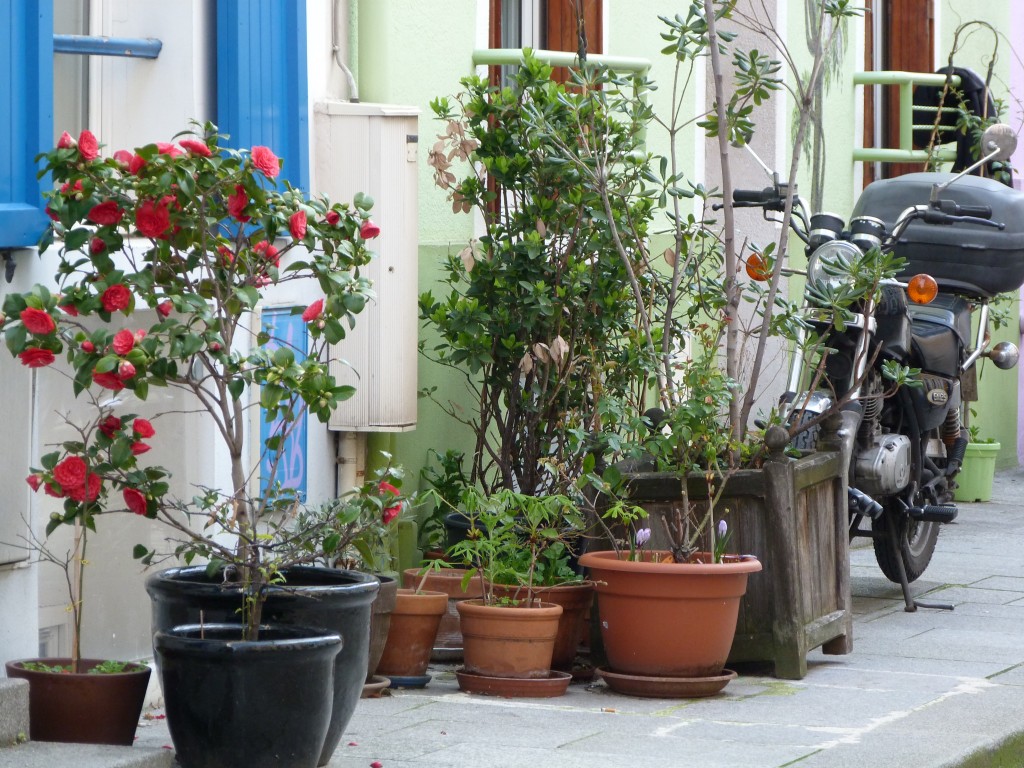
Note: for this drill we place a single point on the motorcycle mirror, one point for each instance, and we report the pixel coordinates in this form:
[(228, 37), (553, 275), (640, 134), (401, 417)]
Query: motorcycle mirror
[(1004, 355), (998, 142)]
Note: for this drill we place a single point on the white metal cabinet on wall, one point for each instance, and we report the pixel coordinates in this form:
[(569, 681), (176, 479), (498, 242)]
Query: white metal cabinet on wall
[(372, 148)]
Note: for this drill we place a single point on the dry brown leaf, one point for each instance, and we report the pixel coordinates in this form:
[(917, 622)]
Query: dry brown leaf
[(559, 351), (542, 352), (670, 257), (542, 229), (468, 261), (526, 364)]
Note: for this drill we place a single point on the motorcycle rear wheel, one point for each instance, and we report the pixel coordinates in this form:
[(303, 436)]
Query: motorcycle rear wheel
[(916, 547)]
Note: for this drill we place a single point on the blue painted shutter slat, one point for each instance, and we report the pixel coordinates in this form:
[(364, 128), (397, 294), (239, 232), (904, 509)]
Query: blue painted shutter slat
[(26, 96), (262, 88)]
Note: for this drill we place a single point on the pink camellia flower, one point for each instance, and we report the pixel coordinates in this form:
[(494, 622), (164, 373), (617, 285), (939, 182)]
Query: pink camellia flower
[(140, 334), (153, 219), (108, 380), (65, 141), (34, 481), (36, 358), (116, 298), (139, 448), (79, 492), (88, 346), (166, 148), (369, 230), (96, 245), (143, 428), (110, 426), (267, 251), (37, 321), (124, 341), (105, 213), (123, 158), (88, 147), (136, 164), (332, 218), (70, 472), (237, 203), (313, 311), (134, 500), (164, 308), (125, 370), (196, 147), (297, 225), (266, 161)]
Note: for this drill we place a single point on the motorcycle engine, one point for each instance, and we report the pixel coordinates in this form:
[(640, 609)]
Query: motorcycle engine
[(883, 468)]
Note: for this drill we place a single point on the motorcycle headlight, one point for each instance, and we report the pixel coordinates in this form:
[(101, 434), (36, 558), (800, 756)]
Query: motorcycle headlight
[(829, 265)]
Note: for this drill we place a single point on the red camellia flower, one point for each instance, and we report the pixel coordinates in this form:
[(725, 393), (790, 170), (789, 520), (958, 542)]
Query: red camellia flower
[(390, 513), (139, 448), (117, 297), (196, 147), (78, 493), (35, 481), (108, 380), (52, 490), (143, 428), (153, 219), (107, 212), (110, 425), (266, 161), (88, 346), (313, 311), (123, 158), (133, 498), (237, 203), (70, 473), (164, 308), (266, 250), (369, 230), (297, 225), (136, 164), (333, 217), (124, 341), (36, 358), (70, 189), (65, 141), (166, 148), (125, 370), (51, 214), (88, 147), (96, 245), (69, 309), (37, 321)]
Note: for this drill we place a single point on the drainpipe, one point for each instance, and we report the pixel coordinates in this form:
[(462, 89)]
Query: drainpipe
[(351, 69)]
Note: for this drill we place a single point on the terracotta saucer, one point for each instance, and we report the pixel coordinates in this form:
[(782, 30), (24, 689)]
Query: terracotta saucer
[(374, 687), (666, 687), (555, 684)]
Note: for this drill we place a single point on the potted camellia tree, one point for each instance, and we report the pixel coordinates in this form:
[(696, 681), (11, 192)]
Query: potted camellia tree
[(198, 234)]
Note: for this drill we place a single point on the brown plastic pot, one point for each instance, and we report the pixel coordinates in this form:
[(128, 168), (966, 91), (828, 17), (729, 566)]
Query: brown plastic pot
[(449, 581), (83, 708), (668, 619), (575, 599), (380, 621), (414, 623), (508, 642)]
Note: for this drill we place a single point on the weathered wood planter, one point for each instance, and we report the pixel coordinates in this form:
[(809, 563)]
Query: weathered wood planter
[(792, 515)]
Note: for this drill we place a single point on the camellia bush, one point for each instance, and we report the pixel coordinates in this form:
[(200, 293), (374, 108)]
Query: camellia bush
[(198, 233)]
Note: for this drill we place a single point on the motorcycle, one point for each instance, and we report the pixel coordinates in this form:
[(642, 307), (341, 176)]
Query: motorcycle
[(962, 239)]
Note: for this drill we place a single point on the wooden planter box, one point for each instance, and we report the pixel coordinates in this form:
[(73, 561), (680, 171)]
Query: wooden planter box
[(792, 515)]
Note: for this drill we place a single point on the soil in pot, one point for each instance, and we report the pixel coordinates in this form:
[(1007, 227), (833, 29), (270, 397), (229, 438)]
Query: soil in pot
[(83, 708), (414, 625), (575, 600), (233, 703), (336, 600), (448, 646), (508, 642), (667, 619)]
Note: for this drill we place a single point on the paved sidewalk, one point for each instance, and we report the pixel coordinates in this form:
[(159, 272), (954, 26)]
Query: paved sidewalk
[(920, 690)]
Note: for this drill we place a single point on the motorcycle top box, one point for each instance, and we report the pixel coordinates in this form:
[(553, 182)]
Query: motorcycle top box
[(978, 261)]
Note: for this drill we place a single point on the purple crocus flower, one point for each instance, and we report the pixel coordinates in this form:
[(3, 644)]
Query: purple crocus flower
[(643, 535), (723, 528)]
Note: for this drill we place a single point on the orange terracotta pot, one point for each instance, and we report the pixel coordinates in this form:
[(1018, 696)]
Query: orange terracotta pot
[(449, 581), (575, 599), (414, 623), (508, 642), (667, 619)]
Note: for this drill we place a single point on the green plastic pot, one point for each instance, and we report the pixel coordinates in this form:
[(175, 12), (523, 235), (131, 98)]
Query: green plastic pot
[(975, 478)]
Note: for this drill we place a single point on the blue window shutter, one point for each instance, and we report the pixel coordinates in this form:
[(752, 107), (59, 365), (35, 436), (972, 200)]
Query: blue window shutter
[(262, 92), (26, 102)]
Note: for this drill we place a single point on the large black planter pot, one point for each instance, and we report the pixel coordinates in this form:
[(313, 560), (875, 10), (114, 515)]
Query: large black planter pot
[(233, 703), (315, 597)]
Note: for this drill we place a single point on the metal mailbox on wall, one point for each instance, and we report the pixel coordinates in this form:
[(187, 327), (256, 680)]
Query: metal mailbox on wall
[(372, 148)]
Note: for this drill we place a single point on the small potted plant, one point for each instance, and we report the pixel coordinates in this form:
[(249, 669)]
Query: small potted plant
[(974, 483), (415, 622)]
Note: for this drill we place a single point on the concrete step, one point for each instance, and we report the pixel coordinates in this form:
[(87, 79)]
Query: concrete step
[(48, 754), (13, 711)]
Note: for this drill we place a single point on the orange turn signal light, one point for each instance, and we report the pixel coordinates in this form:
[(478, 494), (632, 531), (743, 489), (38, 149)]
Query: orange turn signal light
[(758, 267), (922, 289)]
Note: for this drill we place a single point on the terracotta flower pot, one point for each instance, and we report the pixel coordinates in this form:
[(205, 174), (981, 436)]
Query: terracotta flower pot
[(414, 624), (83, 708), (668, 619), (449, 581), (508, 642), (575, 599)]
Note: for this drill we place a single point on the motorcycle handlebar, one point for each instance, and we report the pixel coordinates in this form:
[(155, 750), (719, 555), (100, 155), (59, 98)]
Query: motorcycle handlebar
[(754, 196)]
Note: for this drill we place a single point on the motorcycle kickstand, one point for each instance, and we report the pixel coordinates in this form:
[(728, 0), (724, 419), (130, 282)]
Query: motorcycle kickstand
[(911, 604)]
